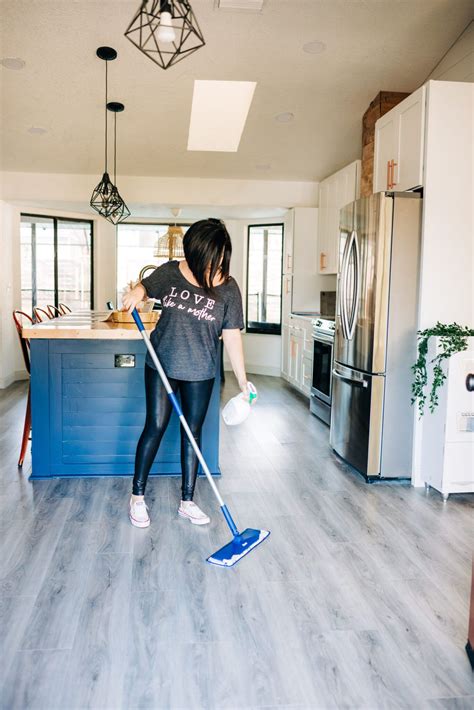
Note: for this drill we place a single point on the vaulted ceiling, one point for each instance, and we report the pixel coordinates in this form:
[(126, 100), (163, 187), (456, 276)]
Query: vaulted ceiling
[(370, 45)]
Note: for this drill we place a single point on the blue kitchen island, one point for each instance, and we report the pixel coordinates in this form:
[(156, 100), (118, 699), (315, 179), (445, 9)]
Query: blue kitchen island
[(88, 401)]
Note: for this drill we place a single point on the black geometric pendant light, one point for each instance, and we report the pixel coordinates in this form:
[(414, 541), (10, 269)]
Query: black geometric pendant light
[(118, 209), (103, 199), (165, 30)]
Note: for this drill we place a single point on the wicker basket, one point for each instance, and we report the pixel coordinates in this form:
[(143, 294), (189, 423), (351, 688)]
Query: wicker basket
[(124, 317)]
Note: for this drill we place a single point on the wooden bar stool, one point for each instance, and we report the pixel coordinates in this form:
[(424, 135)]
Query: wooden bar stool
[(54, 312), (40, 314), (64, 309), (18, 318)]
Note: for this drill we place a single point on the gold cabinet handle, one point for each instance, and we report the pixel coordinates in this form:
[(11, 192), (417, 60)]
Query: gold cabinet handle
[(287, 286), (322, 260), (389, 165), (393, 177), (288, 261)]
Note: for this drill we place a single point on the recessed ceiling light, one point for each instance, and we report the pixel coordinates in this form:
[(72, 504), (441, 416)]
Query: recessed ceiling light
[(37, 130), (284, 117), (12, 63), (218, 114), (315, 47)]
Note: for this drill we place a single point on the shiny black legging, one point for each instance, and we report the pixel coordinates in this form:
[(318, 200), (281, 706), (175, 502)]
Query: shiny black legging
[(195, 398)]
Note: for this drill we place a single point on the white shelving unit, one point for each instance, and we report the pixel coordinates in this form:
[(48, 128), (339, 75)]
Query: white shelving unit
[(447, 453)]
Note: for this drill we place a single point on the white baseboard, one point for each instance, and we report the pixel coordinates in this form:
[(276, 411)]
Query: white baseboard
[(14, 377), (257, 369)]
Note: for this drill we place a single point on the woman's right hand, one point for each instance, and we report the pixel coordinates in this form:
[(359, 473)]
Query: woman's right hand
[(133, 297)]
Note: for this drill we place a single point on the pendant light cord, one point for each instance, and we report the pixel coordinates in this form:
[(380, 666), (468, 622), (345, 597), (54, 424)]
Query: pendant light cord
[(106, 71), (115, 148)]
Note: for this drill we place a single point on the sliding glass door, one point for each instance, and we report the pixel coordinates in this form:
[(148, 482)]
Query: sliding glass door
[(56, 262)]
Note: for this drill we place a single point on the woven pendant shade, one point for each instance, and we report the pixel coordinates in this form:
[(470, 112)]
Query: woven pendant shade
[(170, 245)]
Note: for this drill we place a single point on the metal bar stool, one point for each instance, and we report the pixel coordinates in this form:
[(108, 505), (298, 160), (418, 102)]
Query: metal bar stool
[(64, 309), (54, 312), (40, 314), (18, 317)]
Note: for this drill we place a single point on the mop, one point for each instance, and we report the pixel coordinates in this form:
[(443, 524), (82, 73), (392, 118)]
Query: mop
[(242, 542)]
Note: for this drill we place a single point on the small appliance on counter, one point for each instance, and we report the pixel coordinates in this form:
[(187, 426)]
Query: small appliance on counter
[(321, 386), (375, 340)]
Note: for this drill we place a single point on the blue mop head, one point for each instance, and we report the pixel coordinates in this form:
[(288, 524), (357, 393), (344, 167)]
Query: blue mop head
[(237, 548)]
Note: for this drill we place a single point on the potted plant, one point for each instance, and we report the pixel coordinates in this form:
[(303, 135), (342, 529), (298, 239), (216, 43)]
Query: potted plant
[(452, 339)]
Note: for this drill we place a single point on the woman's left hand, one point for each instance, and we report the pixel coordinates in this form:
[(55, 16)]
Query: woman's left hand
[(247, 389)]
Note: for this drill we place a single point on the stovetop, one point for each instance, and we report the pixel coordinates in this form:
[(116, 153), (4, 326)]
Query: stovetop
[(324, 325)]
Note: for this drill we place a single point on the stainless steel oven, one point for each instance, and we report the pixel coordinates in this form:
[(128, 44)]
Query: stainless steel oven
[(321, 386)]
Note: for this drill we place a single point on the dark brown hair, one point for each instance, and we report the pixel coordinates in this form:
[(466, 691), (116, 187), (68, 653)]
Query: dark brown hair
[(205, 243)]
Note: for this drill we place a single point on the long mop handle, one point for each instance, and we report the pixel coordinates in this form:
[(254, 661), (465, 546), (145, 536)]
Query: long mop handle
[(184, 423)]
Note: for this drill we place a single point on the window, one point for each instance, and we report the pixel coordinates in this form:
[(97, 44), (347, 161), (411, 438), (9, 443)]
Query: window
[(56, 262), (264, 270), (135, 249)]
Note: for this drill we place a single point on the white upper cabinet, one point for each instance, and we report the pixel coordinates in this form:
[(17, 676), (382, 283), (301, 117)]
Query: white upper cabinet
[(305, 255), (335, 192), (399, 138), (288, 243)]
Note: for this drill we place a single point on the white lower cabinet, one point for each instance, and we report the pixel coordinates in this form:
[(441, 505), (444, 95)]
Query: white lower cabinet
[(285, 352), (297, 353), (306, 373)]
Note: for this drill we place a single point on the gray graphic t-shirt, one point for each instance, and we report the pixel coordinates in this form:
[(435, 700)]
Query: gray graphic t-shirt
[(186, 337)]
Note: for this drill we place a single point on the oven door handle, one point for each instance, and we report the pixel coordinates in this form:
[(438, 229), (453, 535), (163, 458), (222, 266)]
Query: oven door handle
[(323, 339), (350, 380)]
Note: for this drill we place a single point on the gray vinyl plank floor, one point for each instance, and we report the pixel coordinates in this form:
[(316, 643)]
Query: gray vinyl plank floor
[(359, 598)]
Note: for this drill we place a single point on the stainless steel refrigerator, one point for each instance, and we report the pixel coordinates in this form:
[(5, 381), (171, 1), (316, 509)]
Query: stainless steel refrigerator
[(375, 337)]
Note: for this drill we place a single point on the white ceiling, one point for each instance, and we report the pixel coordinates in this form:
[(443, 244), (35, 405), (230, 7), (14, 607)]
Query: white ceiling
[(371, 45)]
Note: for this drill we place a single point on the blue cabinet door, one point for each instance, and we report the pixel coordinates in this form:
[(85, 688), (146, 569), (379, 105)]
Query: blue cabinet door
[(88, 411)]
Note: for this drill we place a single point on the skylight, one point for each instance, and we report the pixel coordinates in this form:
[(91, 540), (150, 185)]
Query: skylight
[(218, 114)]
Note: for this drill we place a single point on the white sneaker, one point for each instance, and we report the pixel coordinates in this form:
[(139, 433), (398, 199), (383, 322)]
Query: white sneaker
[(188, 509), (138, 513)]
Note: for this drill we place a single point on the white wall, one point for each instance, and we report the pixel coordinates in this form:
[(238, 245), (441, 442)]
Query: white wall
[(308, 282), (67, 189), (447, 254), (458, 63), (11, 359), (105, 264), (29, 192)]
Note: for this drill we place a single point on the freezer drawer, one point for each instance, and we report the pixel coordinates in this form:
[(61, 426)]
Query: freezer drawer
[(356, 418)]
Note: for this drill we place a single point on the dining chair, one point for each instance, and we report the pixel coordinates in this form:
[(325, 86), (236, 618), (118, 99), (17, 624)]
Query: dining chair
[(64, 309), (54, 312), (40, 314), (19, 318)]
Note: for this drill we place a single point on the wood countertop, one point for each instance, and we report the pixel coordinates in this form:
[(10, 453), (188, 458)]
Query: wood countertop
[(85, 325)]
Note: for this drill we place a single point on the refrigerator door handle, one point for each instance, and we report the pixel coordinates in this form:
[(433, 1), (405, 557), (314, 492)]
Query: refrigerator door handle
[(342, 290), (352, 319), (357, 382)]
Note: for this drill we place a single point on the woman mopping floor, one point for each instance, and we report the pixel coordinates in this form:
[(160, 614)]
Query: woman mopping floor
[(200, 301)]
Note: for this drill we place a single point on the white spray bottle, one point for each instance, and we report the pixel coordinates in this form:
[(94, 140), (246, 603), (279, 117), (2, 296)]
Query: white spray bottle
[(237, 409)]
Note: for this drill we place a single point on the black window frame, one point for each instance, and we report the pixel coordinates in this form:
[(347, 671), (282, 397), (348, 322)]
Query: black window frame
[(55, 220), (272, 329)]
